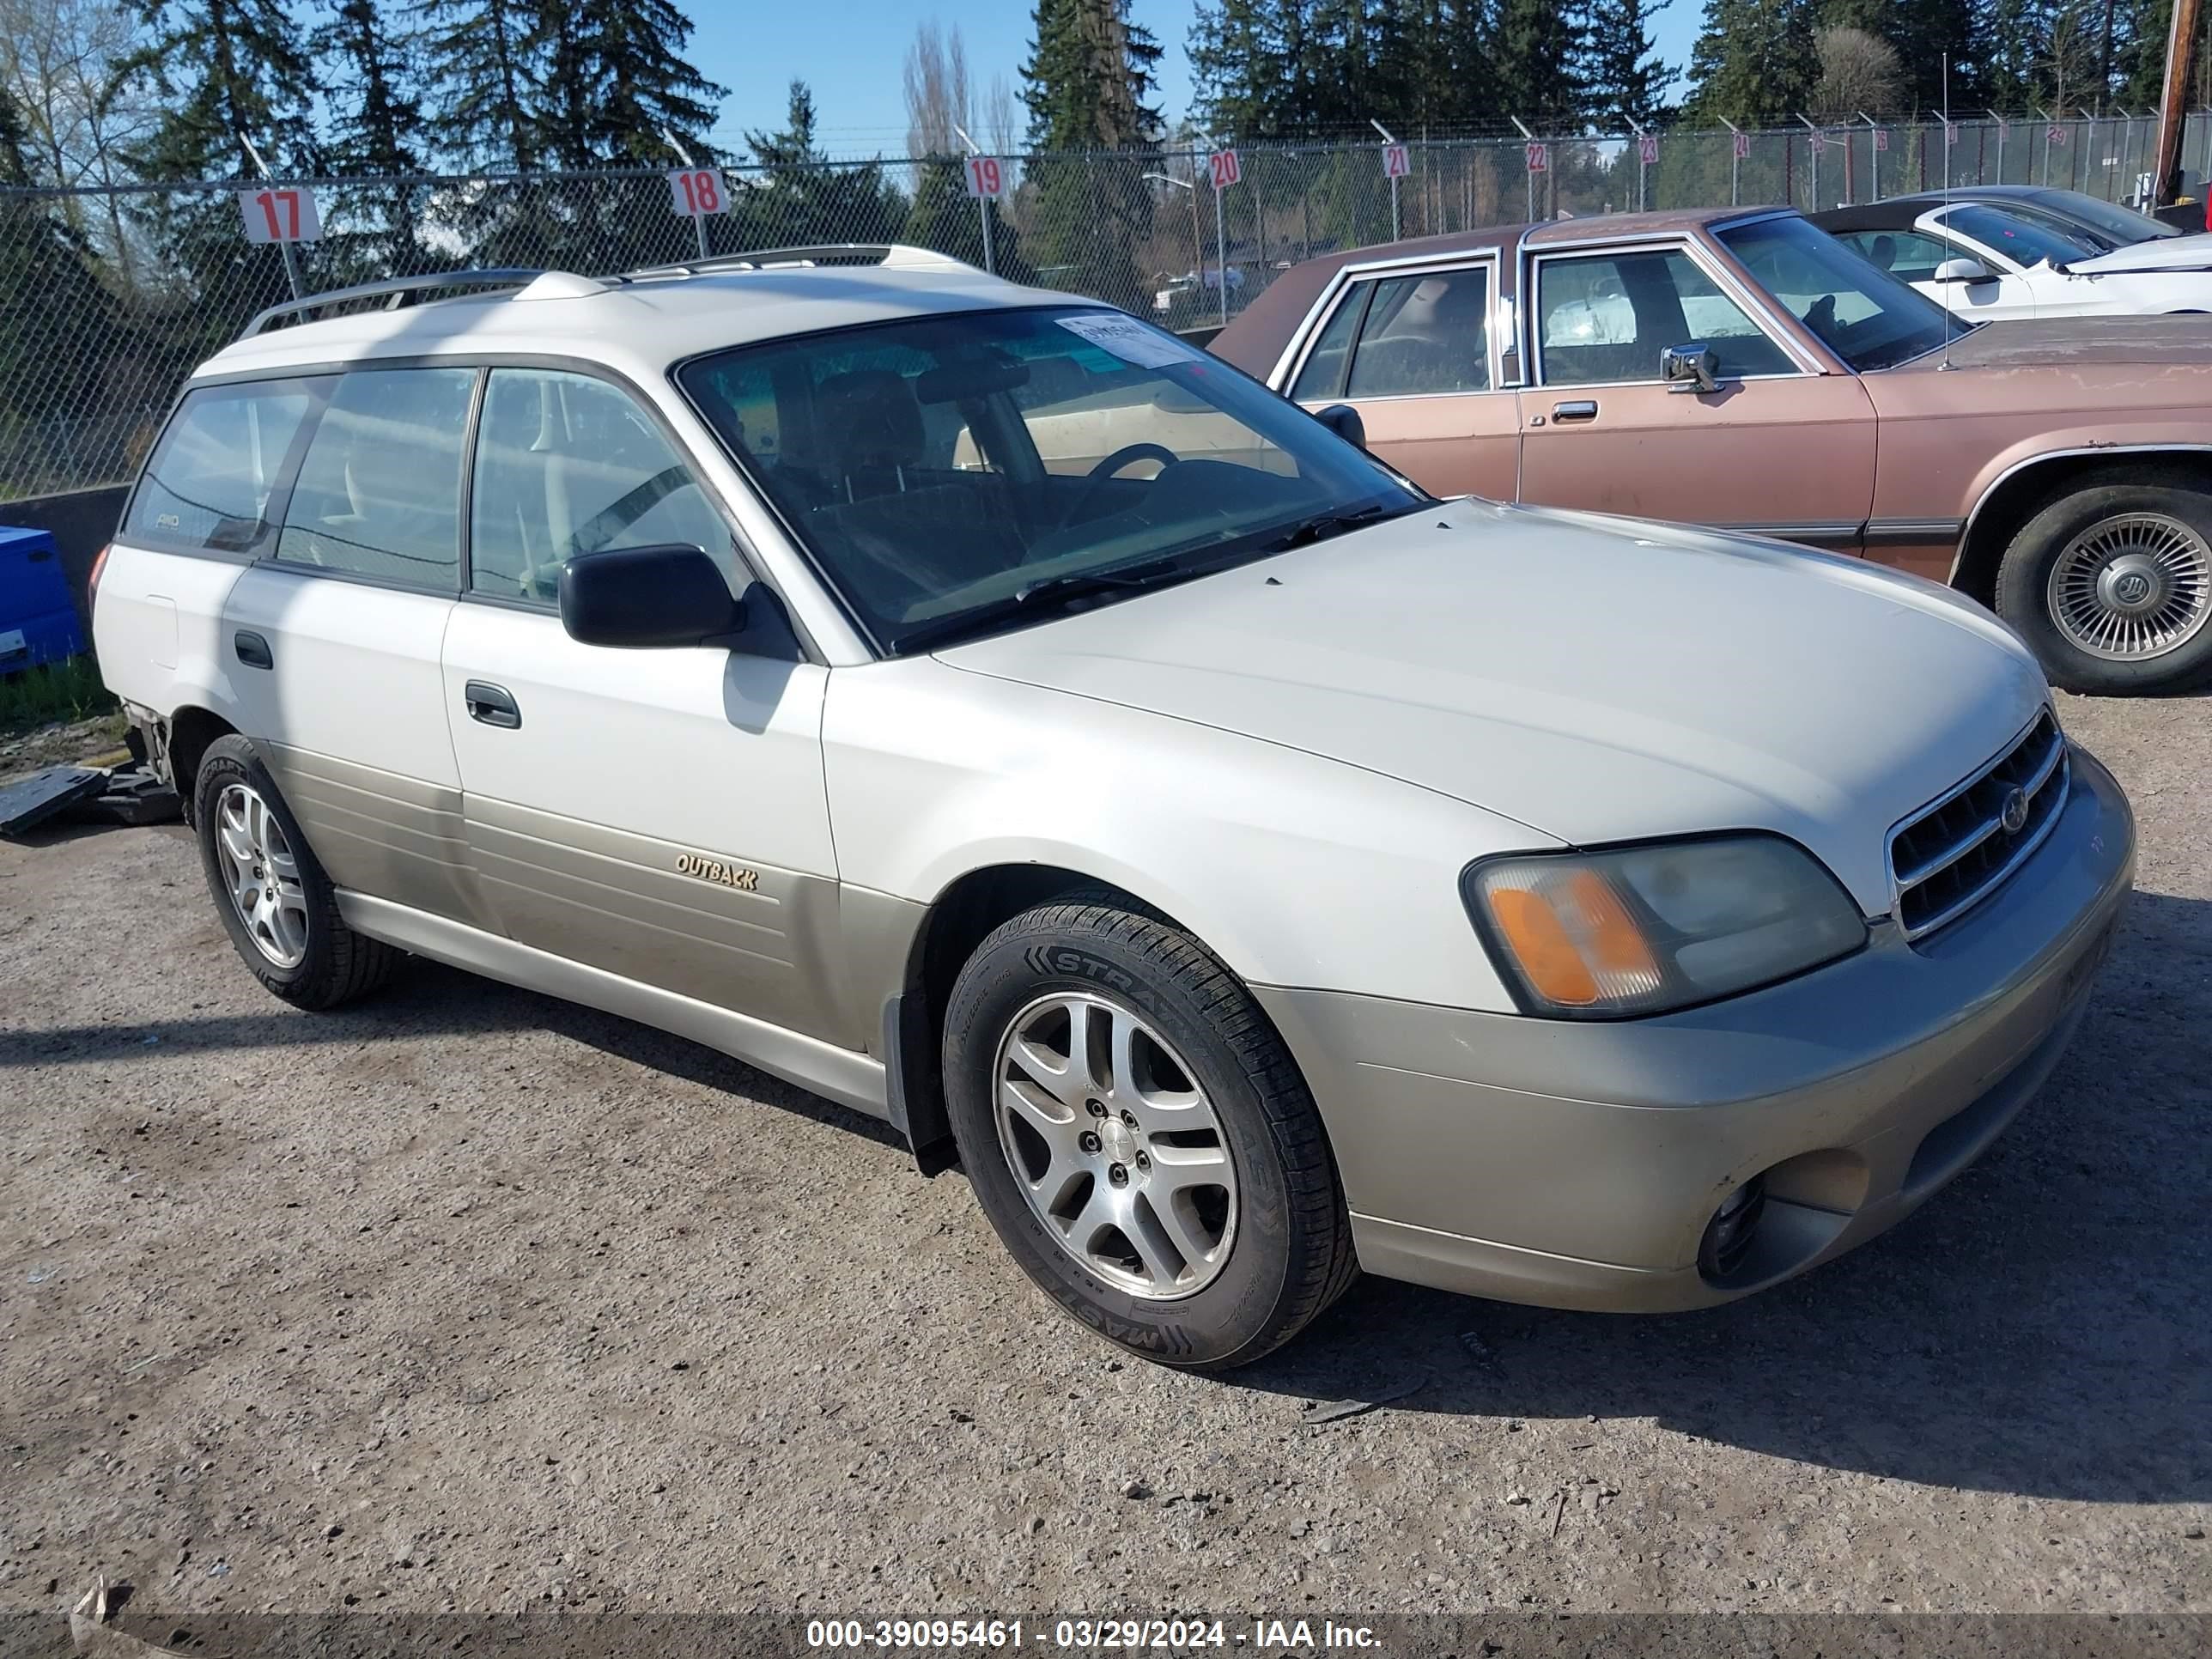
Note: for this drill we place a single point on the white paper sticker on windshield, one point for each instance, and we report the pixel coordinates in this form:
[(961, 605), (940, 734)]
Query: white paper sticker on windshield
[(1129, 339)]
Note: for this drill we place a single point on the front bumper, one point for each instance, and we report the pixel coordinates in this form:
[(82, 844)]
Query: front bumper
[(1577, 1165)]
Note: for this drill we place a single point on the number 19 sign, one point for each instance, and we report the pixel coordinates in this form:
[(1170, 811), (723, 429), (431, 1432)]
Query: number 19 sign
[(693, 191), (280, 215), (986, 177)]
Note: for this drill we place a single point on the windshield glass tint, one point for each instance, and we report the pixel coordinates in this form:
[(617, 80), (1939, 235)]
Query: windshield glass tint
[(2122, 227), (2024, 241), (1866, 316), (948, 464)]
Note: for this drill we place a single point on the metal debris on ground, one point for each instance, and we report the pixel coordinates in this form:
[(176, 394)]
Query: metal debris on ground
[(124, 795), (32, 801), (1334, 1411), (90, 1632)]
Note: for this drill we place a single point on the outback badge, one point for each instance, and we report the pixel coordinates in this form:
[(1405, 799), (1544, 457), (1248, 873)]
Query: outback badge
[(727, 875)]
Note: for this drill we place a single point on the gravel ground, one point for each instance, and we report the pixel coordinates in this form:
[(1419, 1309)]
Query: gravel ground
[(467, 1299)]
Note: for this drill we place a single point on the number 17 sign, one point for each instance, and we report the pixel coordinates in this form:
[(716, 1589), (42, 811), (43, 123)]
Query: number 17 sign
[(286, 215)]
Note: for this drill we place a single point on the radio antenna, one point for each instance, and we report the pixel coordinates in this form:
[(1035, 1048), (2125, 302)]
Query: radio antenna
[(1945, 195)]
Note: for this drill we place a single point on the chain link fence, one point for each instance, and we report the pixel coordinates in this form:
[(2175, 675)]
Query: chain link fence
[(111, 297)]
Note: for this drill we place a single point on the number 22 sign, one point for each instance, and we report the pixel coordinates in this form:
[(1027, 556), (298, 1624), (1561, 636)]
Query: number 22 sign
[(696, 191), (276, 215)]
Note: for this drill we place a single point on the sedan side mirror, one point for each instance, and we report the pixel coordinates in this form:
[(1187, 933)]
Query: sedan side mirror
[(1344, 420), (1692, 368), (1963, 269), (643, 597)]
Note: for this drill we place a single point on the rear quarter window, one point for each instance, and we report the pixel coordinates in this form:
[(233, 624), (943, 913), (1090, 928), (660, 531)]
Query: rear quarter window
[(208, 484)]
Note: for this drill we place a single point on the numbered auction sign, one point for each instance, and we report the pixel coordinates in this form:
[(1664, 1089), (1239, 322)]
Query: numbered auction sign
[(2057, 135), (280, 215), (1539, 158), (986, 177), (1397, 161), (693, 191), (1647, 148), (1743, 146), (1880, 139), (1820, 141), (1223, 166)]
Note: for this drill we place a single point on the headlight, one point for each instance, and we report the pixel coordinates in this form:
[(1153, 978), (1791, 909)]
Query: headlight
[(1638, 930)]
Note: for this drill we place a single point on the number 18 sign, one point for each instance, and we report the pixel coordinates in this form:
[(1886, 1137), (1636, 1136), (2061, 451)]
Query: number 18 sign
[(696, 191), (283, 215)]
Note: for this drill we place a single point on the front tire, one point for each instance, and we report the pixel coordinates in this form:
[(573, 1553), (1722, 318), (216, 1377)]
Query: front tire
[(276, 903), (1140, 1136), (2112, 586)]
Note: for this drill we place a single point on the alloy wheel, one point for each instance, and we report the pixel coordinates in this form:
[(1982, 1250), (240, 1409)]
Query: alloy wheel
[(262, 874)]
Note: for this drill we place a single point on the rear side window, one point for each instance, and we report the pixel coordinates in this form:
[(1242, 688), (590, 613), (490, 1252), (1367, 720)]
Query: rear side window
[(208, 482), (1425, 335), (379, 489)]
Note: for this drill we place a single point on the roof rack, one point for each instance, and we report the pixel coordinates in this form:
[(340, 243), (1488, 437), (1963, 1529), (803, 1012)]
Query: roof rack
[(394, 291), (897, 256)]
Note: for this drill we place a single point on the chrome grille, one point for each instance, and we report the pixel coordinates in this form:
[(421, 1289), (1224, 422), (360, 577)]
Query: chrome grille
[(1949, 856)]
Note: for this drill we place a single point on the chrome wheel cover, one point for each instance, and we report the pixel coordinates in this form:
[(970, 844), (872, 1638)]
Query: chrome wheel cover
[(1114, 1146), (2133, 587), (262, 875)]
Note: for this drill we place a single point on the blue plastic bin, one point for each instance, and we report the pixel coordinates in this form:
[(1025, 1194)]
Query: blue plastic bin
[(38, 618)]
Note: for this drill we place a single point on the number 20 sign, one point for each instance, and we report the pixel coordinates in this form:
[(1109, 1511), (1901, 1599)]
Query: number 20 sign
[(284, 214), (696, 191)]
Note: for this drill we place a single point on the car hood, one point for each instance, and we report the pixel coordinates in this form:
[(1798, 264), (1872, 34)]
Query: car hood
[(2076, 341), (2160, 253), (1597, 679)]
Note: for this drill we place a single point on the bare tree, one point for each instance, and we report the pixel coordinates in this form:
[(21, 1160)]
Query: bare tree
[(57, 57), (1858, 71), (1003, 119), (938, 97)]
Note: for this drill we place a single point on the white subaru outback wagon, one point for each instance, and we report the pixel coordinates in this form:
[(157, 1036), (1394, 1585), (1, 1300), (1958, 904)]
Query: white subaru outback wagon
[(984, 709)]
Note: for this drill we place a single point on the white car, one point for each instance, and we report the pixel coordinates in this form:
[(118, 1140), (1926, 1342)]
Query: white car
[(1250, 868), (2005, 253)]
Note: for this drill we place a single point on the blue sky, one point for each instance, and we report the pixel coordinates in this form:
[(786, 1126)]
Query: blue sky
[(851, 52)]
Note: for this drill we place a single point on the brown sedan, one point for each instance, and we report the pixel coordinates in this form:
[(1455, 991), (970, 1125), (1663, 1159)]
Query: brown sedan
[(1745, 370)]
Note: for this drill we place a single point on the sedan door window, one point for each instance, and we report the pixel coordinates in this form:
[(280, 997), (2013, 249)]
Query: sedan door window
[(1424, 336), (1605, 318)]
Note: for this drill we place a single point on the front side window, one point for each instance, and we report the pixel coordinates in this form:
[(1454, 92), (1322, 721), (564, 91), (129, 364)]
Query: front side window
[(567, 463), (1321, 375), (208, 482), (1907, 255), (1866, 316), (948, 472), (379, 489), (2025, 242), (1606, 318), (1425, 335)]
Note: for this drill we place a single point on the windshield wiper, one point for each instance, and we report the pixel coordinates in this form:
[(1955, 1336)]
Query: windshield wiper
[(1043, 595), (1323, 525)]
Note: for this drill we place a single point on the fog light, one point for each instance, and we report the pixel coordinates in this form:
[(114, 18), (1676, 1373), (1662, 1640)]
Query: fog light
[(1728, 1234)]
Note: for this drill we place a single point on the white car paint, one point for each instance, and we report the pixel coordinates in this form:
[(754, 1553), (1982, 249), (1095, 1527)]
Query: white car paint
[(2151, 278)]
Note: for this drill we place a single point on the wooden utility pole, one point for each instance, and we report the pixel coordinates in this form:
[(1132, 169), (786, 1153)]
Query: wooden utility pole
[(2173, 101)]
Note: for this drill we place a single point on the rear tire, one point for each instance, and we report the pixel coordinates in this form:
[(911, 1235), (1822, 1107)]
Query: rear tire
[(276, 903), (2112, 586), (1140, 1138)]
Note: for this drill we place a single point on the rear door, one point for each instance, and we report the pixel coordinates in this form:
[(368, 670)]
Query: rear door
[(658, 814), (1776, 448), (332, 638), (1414, 351)]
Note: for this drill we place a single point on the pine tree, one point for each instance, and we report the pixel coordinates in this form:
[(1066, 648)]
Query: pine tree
[(1241, 62), (1538, 45), (1088, 84), (376, 116), (51, 296), (1625, 82), (1754, 62), (228, 74), (620, 86), (482, 64), (800, 199)]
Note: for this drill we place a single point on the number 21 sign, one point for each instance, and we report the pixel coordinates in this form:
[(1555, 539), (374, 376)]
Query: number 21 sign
[(273, 214)]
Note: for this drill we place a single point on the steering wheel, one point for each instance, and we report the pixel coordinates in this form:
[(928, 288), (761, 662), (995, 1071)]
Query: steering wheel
[(1102, 474)]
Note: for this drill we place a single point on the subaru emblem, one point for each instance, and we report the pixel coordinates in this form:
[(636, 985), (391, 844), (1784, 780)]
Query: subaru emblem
[(2015, 815)]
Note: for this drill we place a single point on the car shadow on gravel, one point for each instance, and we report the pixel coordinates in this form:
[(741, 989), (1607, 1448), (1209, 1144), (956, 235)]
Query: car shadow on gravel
[(2044, 1326)]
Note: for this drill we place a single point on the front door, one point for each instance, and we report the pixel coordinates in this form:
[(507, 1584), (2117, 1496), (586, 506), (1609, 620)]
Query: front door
[(1773, 448), (1410, 350), (658, 814)]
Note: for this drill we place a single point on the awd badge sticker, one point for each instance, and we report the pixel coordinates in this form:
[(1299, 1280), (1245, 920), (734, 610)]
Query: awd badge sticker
[(725, 875)]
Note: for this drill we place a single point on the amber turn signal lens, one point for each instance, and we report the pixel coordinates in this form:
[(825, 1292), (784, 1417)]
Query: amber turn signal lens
[(1539, 941)]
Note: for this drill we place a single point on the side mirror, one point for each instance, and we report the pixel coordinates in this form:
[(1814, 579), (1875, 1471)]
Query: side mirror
[(1344, 420), (1692, 368), (643, 597), (1963, 271)]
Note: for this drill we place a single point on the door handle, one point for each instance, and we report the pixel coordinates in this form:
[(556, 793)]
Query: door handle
[(253, 650), (1580, 408), (493, 705)]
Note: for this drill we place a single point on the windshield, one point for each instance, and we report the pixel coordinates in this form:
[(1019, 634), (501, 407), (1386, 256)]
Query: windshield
[(986, 465), (1864, 315), (2023, 240), (2117, 226)]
